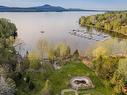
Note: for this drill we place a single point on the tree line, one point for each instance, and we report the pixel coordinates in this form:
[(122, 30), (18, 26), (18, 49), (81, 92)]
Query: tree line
[(110, 21)]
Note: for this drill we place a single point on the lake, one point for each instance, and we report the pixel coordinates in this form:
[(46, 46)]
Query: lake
[(57, 27)]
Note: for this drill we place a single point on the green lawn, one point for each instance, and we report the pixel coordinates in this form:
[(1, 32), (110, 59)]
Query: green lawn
[(59, 80)]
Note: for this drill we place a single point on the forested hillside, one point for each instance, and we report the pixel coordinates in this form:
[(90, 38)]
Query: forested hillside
[(111, 21)]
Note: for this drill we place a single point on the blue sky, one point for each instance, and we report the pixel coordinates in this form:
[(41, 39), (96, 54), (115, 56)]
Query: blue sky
[(85, 4)]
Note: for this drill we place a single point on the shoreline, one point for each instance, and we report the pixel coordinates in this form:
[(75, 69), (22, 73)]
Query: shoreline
[(92, 26)]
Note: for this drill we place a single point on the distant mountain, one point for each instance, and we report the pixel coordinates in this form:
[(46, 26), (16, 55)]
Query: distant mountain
[(44, 8)]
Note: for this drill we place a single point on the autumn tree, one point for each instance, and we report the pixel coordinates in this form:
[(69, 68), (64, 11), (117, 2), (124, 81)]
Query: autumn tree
[(63, 50), (43, 47), (120, 76)]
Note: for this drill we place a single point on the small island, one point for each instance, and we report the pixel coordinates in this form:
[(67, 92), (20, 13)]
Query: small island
[(109, 21)]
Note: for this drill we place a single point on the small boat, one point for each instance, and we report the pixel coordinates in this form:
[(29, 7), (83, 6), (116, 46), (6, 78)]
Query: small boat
[(105, 36), (42, 32), (73, 30)]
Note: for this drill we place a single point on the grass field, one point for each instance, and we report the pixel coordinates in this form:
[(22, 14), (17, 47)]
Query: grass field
[(60, 80)]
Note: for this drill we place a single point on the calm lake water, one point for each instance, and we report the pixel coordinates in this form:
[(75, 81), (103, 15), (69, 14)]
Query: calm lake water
[(56, 26)]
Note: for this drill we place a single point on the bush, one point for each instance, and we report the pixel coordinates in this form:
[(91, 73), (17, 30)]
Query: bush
[(31, 86)]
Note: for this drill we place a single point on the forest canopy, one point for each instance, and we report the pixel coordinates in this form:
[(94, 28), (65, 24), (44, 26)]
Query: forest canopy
[(110, 21)]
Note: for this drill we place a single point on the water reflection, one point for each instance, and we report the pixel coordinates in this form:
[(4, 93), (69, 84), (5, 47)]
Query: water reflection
[(108, 33)]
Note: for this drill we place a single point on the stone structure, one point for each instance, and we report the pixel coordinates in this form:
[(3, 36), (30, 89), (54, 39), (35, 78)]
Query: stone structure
[(81, 83), (7, 85)]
